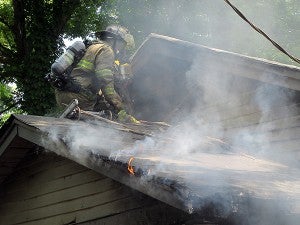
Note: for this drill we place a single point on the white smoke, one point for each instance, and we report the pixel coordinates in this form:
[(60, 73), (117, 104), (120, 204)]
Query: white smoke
[(216, 133), (79, 141), (256, 119), (201, 147)]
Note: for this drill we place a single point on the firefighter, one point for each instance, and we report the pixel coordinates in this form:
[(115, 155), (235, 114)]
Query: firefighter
[(94, 73)]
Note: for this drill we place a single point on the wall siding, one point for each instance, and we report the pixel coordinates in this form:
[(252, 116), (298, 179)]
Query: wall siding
[(48, 189)]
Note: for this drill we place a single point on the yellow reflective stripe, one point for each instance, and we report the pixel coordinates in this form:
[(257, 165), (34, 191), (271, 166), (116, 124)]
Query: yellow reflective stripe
[(122, 115), (85, 64), (104, 73), (117, 62), (109, 90)]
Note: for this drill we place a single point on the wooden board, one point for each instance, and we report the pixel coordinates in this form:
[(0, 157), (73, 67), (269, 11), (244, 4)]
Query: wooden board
[(81, 196)]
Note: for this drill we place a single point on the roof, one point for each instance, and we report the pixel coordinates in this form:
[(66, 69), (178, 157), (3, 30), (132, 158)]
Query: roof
[(157, 159), (167, 59), (184, 181), (241, 65)]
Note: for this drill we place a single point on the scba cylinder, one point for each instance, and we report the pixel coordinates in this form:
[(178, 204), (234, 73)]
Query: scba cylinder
[(65, 60)]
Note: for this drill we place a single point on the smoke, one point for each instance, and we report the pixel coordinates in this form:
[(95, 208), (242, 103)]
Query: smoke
[(81, 140), (240, 136), (276, 107), (216, 25), (234, 148), (225, 151)]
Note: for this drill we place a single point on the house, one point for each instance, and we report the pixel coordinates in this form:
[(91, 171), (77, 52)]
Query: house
[(228, 157)]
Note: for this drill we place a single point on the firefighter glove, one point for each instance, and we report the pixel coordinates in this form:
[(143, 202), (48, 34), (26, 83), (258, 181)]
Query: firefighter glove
[(125, 117)]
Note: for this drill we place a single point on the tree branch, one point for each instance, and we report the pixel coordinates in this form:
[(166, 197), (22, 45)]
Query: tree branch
[(62, 11), (6, 52), (4, 60), (19, 27)]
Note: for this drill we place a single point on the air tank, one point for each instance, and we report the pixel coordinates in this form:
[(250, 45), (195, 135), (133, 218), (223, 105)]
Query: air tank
[(67, 58)]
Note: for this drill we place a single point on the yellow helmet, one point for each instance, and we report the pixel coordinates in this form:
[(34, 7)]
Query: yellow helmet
[(118, 32)]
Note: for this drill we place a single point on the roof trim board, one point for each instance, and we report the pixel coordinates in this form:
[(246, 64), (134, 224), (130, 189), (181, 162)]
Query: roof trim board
[(240, 65), (9, 138)]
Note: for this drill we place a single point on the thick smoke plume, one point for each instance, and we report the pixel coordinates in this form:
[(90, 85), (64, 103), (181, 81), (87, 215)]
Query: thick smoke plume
[(214, 146), (228, 167), (254, 123)]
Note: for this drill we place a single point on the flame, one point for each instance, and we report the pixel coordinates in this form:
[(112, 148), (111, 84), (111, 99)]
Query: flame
[(130, 167)]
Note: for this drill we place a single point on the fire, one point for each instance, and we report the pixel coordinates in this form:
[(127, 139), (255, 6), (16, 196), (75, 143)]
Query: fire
[(130, 167)]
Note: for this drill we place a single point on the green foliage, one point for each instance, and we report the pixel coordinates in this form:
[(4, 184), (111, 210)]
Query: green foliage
[(8, 102), (5, 91), (89, 17)]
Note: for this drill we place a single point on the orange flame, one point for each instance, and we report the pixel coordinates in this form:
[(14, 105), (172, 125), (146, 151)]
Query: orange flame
[(130, 167)]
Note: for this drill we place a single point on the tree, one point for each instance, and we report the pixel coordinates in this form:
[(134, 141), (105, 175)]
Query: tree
[(8, 102), (31, 37)]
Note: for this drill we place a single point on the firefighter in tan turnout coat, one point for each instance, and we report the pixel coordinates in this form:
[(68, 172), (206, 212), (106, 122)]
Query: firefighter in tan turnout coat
[(95, 73)]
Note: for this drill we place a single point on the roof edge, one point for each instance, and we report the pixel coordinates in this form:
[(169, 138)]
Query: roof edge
[(6, 131), (192, 44)]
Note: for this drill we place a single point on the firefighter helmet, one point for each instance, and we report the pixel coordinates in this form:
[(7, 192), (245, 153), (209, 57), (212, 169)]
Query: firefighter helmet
[(119, 33)]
